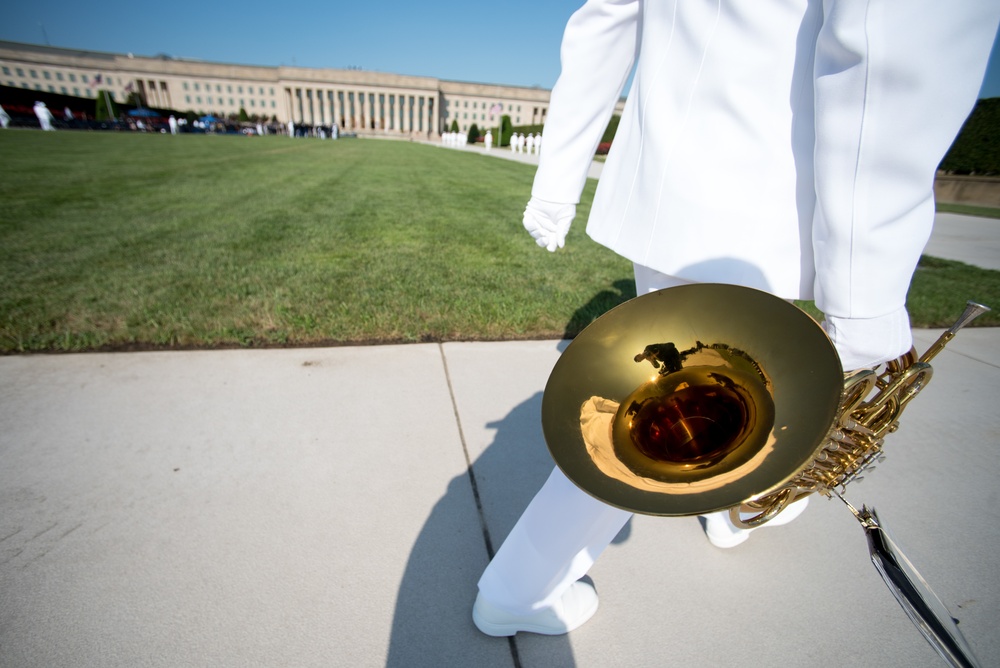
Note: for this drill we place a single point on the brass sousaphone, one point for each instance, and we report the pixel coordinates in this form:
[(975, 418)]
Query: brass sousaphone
[(706, 397)]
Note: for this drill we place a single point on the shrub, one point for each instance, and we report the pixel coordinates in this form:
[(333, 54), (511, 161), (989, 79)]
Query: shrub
[(976, 150), (506, 130), (104, 108)]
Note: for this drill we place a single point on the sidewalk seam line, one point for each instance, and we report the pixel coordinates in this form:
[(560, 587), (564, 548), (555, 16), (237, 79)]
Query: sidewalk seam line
[(468, 460), (511, 640)]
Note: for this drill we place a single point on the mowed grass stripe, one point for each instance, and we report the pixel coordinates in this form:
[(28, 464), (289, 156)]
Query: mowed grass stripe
[(130, 240)]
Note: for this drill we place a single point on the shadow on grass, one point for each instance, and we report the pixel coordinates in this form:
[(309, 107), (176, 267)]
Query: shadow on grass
[(622, 290)]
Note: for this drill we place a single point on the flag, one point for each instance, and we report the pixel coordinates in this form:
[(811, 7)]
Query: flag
[(130, 87), (496, 108), (96, 81)]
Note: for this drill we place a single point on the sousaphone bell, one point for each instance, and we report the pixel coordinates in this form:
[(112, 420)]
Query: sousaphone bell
[(692, 399)]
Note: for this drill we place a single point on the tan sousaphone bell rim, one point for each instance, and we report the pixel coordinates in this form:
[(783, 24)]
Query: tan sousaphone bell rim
[(598, 371)]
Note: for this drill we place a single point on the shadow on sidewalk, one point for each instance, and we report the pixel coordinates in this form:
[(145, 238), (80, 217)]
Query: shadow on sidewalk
[(433, 625)]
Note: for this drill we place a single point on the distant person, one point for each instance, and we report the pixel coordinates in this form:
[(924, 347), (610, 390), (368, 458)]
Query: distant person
[(4, 118), (44, 116), (291, 128), (68, 114), (529, 144), (172, 122), (488, 140), (538, 143)]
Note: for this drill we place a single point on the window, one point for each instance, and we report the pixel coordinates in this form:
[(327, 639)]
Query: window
[(59, 76), (185, 85), (218, 88), (6, 70), (20, 72), (72, 78), (34, 74), (62, 89), (46, 74), (197, 86), (76, 91), (239, 89)]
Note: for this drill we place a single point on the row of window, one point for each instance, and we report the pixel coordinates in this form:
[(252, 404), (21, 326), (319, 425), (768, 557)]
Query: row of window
[(211, 100), (464, 104), (86, 92), (47, 75), (229, 88)]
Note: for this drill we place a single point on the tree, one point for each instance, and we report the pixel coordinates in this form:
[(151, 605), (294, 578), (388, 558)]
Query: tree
[(976, 149), (454, 125), (135, 99), (104, 107), (611, 129), (506, 130), (244, 118), (473, 134)]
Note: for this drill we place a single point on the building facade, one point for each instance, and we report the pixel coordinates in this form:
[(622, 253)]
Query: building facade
[(357, 101)]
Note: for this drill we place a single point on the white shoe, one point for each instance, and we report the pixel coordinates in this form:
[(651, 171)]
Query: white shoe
[(576, 606), (724, 534)]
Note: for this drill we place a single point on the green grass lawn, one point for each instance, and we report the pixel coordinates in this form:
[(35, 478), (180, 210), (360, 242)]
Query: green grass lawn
[(121, 240)]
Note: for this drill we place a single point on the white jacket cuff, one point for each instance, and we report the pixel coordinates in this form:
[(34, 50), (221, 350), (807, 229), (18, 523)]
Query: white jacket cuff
[(867, 342)]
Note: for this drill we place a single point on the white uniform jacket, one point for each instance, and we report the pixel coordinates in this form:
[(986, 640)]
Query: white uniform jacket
[(786, 145)]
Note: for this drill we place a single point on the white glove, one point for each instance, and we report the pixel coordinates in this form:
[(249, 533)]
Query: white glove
[(548, 222)]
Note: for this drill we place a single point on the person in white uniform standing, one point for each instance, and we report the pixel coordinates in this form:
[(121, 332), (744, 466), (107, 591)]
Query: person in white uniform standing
[(783, 145)]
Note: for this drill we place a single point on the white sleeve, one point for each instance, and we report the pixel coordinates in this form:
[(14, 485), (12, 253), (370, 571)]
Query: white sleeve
[(894, 81), (598, 51)]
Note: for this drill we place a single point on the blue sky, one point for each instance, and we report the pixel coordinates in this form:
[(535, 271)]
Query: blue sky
[(509, 42)]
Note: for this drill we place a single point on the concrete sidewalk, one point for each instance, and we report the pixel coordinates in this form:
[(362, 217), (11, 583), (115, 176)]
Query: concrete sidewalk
[(315, 508)]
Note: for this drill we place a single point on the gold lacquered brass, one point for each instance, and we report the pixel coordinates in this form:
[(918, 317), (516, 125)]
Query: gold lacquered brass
[(692, 399), (870, 408)]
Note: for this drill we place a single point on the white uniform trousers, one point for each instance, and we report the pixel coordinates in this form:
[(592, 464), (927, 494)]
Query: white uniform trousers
[(561, 532)]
